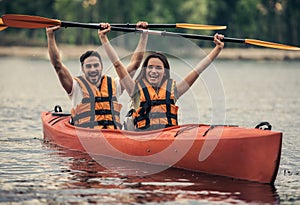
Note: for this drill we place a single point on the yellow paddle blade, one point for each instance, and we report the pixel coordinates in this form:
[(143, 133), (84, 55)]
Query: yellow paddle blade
[(271, 45), (199, 26), (2, 25), (26, 21)]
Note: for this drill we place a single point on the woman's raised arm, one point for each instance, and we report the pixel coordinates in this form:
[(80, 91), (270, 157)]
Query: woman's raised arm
[(126, 81), (191, 77), (139, 52)]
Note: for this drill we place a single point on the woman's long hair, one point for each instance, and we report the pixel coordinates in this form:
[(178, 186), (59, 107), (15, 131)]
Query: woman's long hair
[(160, 56)]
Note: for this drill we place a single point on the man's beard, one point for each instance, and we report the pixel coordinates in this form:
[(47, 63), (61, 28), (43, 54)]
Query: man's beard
[(94, 77)]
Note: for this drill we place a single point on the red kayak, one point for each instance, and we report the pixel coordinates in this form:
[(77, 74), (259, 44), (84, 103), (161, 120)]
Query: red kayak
[(231, 151)]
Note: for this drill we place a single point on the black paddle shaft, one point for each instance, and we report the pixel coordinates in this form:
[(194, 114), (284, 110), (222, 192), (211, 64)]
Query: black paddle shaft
[(205, 37), (162, 33), (92, 26), (126, 25)]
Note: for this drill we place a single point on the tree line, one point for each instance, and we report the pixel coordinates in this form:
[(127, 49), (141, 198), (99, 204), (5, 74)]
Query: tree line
[(269, 20)]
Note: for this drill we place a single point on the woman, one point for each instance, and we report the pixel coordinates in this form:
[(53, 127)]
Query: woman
[(154, 93)]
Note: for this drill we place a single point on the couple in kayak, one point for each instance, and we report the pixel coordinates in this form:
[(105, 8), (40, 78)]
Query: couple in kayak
[(153, 93)]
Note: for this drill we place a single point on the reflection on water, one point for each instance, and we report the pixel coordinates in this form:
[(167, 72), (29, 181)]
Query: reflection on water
[(170, 185), (32, 172)]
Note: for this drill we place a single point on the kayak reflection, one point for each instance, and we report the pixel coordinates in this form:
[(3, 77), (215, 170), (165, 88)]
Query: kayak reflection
[(170, 185)]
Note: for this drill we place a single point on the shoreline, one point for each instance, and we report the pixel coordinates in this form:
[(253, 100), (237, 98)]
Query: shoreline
[(73, 52)]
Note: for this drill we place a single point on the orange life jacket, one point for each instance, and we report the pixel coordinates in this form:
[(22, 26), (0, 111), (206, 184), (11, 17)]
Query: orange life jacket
[(99, 107), (156, 110)]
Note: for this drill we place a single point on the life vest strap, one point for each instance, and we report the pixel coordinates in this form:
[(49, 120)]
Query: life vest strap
[(153, 115), (98, 99), (157, 102), (168, 102), (103, 123), (95, 112)]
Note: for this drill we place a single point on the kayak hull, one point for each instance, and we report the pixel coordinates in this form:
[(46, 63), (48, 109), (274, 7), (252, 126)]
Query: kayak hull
[(240, 153)]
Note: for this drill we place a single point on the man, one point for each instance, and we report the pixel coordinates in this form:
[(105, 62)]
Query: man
[(93, 95)]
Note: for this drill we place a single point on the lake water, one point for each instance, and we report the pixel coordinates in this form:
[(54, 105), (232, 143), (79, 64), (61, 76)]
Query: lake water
[(32, 172)]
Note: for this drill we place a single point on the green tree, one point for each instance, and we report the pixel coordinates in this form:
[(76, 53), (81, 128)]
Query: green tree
[(270, 20)]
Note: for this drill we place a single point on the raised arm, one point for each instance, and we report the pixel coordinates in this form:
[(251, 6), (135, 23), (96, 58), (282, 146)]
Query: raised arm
[(126, 81), (139, 52), (62, 72), (191, 77)]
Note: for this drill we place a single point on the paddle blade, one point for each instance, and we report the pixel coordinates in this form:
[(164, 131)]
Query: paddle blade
[(271, 45), (26, 21), (2, 25), (199, 26)]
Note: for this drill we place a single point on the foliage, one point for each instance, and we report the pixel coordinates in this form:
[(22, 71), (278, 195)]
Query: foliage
[(270, 20)]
